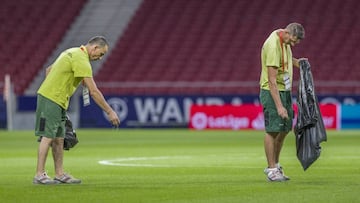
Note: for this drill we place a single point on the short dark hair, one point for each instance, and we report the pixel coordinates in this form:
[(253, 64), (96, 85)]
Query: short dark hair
[(296, 29), (99, 40)]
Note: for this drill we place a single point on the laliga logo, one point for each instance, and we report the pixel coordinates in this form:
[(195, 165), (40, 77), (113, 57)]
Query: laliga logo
[(199, 121), (119, 106)]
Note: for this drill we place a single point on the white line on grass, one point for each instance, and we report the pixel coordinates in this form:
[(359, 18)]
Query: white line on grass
[(120, 161), (180, 161)]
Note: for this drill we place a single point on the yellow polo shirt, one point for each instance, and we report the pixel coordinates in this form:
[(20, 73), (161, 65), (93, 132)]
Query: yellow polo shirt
[(272, 55), (66, 73)]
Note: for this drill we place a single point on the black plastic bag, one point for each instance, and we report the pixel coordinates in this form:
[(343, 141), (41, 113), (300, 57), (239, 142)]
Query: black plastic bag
[(307, 147), (309, 129), (70, 139)]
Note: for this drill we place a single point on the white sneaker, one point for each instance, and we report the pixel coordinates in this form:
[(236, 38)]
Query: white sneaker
[(43, 179), (66, 178), (274, 175), (282, 172), (266, 171)]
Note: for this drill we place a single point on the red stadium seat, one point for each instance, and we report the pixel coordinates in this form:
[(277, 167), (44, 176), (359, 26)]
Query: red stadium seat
[(214, 40), (31, 30)]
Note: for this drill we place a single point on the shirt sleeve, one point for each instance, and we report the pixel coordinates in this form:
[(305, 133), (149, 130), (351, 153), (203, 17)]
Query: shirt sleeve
[(81, 67), (273, 54)]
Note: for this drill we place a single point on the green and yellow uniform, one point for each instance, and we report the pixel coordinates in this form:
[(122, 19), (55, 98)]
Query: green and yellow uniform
[(54, 94), (65, 76), (272, 55), (276, 54)]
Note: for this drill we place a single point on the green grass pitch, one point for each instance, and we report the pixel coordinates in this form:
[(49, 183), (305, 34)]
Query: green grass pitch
[(179, 166)]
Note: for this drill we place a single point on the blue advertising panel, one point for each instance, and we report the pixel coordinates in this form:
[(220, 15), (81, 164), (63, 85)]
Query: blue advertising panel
[(350, 116), (28, 103), (153, 111), (2, 113), (173, 111), (339, 99)]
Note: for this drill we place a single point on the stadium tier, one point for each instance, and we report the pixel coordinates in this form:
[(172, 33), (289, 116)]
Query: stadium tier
[(30, 31), (191, 47), (213, 47)]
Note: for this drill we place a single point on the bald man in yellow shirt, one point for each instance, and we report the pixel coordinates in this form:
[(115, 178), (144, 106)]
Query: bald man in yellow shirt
[(62, 79)]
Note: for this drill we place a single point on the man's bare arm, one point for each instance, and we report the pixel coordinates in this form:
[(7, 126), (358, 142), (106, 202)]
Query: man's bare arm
[(272, 73), (99, 99)]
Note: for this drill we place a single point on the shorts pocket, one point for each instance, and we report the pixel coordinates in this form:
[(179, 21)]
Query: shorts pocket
[(42, 124)]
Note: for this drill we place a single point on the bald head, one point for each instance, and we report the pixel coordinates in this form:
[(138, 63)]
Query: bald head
[(97, 47), (99, 41)]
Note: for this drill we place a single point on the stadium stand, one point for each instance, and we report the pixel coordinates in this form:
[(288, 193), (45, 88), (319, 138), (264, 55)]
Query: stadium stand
[(213, 47), (190, 47), (30, 30), (107, 17)]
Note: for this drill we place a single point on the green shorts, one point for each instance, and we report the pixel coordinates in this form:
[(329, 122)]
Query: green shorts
[(50, 118), (273, 122)]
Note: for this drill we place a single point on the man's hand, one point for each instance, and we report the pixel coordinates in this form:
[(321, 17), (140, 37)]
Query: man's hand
[(113, 118), (283, 113), (100, 101), (296, 62)]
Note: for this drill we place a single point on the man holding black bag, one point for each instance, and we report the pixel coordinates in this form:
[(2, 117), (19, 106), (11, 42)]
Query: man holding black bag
[(63, 77), (275, 93)]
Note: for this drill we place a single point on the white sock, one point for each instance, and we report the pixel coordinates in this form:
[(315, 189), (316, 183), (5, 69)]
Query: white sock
[(272, 169)]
